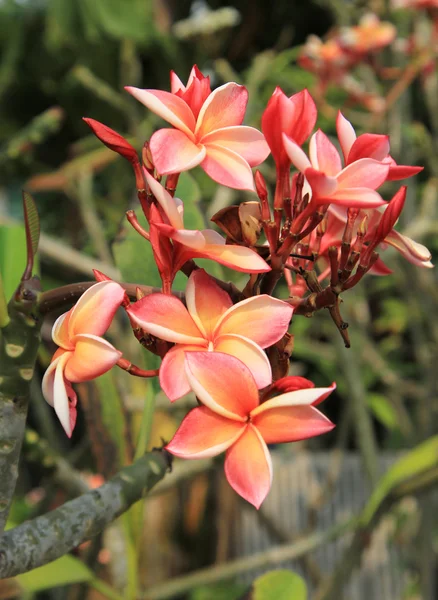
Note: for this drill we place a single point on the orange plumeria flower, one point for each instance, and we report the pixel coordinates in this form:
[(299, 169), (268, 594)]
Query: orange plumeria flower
[(233, 419), (212, 323), (82, 354)]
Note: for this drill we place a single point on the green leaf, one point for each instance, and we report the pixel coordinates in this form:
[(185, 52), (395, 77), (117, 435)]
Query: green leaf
[(32, 221), (279, 585), (383, 410), (219, 591), (63, 571), (12, 256), (422, 458), (113, 418)]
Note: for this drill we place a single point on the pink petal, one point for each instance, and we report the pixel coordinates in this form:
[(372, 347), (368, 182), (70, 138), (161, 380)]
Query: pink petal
[(167, 106), (228, 168), (225, 107), (346, 134), (357, 197), (93, 356), (369, 145), (56, 392), (223, 383), (296, 155), (249, 353), (248, 142), (262, 319), (323, 154), (238, 258), (95, 309), (414, 252), (248, 467), (60, 331), (173, 378), (203, 434), (175, 83), (191, 239), (291, 383), (379, 268), (302, 397), (323, 186), (291, 424), (365, 172), (174, 152), (206, 301), (167, 203), (166, 317), (303, 117), (397, 172)]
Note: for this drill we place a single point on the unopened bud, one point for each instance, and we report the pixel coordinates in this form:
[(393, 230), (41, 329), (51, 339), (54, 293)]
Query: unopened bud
[(113, 140), (146, 157)]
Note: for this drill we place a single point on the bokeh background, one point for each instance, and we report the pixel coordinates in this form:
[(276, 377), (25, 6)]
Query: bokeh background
[(62, 60)]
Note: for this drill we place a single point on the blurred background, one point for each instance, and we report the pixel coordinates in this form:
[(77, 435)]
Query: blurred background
[(62, 60)]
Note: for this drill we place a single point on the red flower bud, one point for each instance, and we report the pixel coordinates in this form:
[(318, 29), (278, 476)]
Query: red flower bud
[(113, 140)]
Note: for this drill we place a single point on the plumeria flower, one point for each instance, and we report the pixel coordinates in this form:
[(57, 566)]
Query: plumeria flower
[(82, 354), (233, 419), (370, 145), (294, 116), (200, 244), (211, 323), (352, 186), (370, 35), (326, 59), (207, 130)]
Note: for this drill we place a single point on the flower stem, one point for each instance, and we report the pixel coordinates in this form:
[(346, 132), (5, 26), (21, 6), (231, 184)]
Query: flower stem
[(4, 315)]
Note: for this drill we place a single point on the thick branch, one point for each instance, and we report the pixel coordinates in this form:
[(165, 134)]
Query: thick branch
[(46, 538), (19, 341)]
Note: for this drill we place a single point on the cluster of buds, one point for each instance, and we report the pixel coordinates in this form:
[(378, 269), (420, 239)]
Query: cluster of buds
[(231, 346)]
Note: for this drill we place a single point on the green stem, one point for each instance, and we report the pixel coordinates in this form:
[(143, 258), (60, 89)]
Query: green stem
[(4, 315), (39, 541)]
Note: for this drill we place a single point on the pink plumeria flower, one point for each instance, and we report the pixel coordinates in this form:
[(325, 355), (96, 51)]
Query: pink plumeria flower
[(370, 145), (200, 244), (294, 116), (212, 323), (352, 186), (207, 131), (82, 354), (232, 419)]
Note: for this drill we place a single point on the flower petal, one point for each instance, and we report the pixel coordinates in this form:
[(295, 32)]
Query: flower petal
[(291, 424), (169, 107), (414, 252), (249, 353), (174, 152), (323, 154), (297, 156), (203, 434), (365, 172), (206, 302), (357, 197), (93, 356), (223, 383), (346, 134), (397, 172), (191, 239), (238, 258), (228, 168), (302, 397), (369, 145), (323, 186), (173, 378), (248, 467), (167, 203), (225, 107), (290, 383), (57, 391), (166, 317), (262, 319), (60, 331), (248, 142), (95, 309)]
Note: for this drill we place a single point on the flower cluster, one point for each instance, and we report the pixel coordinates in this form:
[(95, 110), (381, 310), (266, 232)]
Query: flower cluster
[(231, 346)]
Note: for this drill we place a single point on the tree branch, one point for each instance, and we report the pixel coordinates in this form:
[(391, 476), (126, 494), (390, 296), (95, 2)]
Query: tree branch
[(48, 537), (19, 342)]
